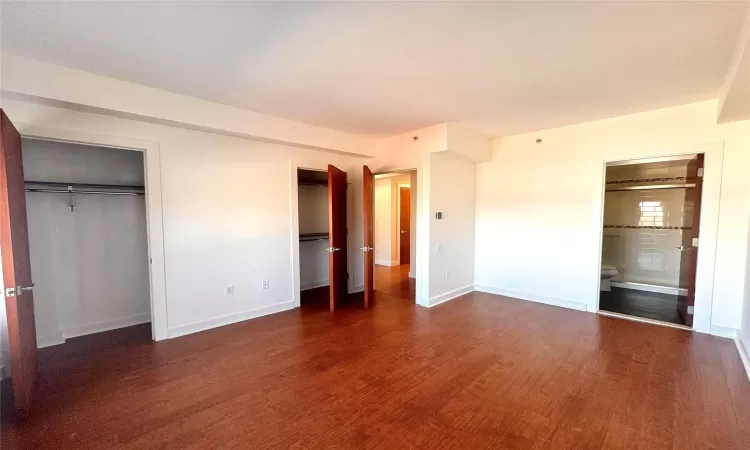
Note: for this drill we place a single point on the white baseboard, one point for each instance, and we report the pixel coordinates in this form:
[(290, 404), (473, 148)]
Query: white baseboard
[(726, 332), (314, 285), (357, 289), (49, 340), (412, 275), (744, 355), (382, 262), (442, 298), (649, 287), (203, 325), (105, 325), (533, 298)]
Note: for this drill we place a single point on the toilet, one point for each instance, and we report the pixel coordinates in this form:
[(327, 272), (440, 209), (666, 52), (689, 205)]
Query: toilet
[(608, 272)]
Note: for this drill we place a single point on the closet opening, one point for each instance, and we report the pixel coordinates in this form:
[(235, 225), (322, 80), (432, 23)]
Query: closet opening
[(651, 239), (323, 237), (395, 237), (88, 241), (312, 195)]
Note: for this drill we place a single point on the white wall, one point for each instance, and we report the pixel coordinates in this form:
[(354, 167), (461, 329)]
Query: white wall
[(313, 218), (453, 193), (539, 206), (227, 214), (413, 224), (383, 222), (90, 266)]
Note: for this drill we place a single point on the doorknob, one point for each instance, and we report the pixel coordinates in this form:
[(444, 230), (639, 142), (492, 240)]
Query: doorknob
[(332, 249), (404, 231), (366, 249), (683, 248), (18, 290)]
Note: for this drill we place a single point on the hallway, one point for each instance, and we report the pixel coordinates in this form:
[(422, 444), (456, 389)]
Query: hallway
[(395, 281)]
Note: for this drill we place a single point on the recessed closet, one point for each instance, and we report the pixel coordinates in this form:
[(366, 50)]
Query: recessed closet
[(313, 234), (87, 238)]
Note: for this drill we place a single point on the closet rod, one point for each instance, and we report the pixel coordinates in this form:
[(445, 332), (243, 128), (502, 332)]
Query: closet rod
[(647, 188), (59, 191), (80, 185)]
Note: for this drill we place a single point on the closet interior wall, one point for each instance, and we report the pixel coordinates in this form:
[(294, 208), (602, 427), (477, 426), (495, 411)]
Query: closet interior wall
[(89, 265)]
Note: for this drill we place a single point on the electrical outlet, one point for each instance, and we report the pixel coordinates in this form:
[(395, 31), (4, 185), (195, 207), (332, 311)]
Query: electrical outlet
[(229, 290), (266, 284), (448, 273), (439, 248)]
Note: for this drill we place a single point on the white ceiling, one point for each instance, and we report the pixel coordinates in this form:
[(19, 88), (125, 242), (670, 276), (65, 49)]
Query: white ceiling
[(383, 68)]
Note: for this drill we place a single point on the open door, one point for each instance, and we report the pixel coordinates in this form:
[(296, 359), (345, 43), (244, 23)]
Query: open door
[(404, 225), (369, 207), (14, 245), (337, 236), (689, 247)]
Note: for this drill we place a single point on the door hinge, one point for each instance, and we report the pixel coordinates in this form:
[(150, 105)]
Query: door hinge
[(690, 310), (695, 242), (10, 292), (700, 172)]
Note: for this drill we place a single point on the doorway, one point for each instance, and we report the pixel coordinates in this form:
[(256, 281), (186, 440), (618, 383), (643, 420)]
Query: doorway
[(394, 226), (323, 272), (650, 239), (88, 239)]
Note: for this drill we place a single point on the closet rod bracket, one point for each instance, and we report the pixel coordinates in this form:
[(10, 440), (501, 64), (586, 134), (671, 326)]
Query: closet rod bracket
[(71, 199)]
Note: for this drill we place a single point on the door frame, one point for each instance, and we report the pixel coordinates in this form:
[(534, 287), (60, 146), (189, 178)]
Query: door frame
[(153, 197), (709, 225)]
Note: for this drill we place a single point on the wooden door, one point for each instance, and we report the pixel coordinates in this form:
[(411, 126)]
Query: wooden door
[(368, 186), (14, 245), (404, 224), (689, 247), (337, 271)]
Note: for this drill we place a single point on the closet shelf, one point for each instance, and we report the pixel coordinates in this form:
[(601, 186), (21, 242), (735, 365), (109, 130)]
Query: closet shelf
[(305, 237), (647, 227)]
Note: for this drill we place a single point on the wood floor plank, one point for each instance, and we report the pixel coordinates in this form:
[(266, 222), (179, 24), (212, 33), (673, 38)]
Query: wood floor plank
[(481, 371)]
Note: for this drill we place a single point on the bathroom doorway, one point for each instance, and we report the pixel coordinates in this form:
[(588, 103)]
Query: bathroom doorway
[(651, 238)]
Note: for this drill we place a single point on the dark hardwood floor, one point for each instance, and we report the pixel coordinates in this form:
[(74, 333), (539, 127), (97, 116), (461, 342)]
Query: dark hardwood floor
[(480, 371), (395, 281), (649, 305)]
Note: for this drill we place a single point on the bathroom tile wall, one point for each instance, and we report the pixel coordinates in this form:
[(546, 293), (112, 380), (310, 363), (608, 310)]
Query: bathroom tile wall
[(645, 255)]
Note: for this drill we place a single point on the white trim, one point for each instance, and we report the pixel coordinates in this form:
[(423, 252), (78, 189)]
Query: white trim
[(725, 332), (228, 319), (709, 221), (105, 325), (644, 320), (579, 306), (649, 287), (357, 289), (294, 223), (442, 298), (49, 340), (412, 274), (744, 356), (154, 216), (314, 285)]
